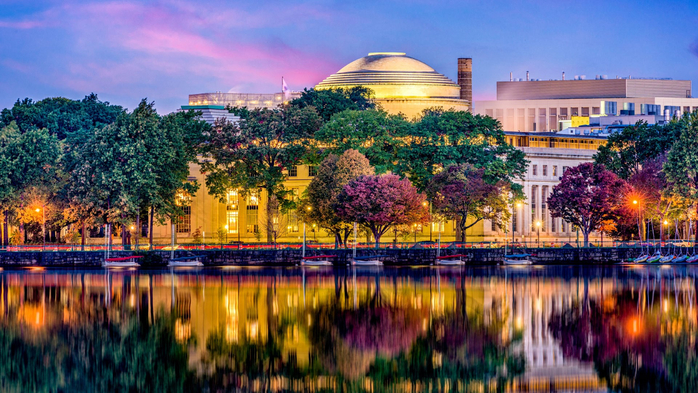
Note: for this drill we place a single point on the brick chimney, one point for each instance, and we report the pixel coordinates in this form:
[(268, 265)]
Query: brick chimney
[(465, 80)]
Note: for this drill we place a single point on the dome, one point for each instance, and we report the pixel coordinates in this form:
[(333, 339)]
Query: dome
[(393, 75)]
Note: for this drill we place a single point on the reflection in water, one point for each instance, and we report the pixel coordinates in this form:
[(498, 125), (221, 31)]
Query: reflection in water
[(486, 329)]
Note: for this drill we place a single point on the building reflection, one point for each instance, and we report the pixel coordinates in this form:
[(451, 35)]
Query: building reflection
[(426, 329)]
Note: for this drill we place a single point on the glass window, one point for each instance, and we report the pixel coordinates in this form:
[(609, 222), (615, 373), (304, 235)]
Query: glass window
[(293, 171), (545, 170), (232, 219), (535, 170), (312, 170), (184, 223), (554, 170)]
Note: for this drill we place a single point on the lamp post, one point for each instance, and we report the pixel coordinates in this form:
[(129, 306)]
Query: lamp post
[(309, 208), (43, 228), (431, 226), (226, 233), (639, 228), (518, 206), (538, 224), (415, 232)]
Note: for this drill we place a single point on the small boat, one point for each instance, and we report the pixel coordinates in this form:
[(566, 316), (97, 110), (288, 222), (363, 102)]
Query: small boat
[(367, 261), (317, 260), (667, 259), (517, 259), (188, 261), (654, 258), (450, 260), (122, 261), (642, 258), (680, 259), (692, 259)]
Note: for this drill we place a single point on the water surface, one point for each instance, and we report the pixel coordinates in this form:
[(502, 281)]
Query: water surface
[(371, 329)]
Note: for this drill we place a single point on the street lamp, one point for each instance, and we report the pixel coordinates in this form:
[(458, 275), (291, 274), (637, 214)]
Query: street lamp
[(308, 208), (518, 206), (415, 232), (43, 228), (431, 224), (226, 233), (664, 229), (639, 229), (538, 225)]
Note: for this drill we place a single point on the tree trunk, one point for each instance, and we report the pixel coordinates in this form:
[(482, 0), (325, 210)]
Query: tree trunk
[(138, 229), (82, 240), (270, 218), (586, 238), (6, 232), (150, 228)]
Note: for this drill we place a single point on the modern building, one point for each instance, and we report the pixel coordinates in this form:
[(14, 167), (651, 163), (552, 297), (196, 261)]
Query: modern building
[(405, 85), (214, 106), (544, 105)]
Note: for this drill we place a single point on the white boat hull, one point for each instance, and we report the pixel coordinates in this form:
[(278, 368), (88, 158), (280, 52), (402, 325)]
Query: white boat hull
[(120, 264), (450, 262), (517, 262), (316, 263), (185, 264), (366, 262)]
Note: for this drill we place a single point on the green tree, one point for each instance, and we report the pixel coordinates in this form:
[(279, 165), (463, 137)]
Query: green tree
[(627, 151), (257, 151), (328, 102), (374, 133), (681, 165), (319, 204), (442, 138)]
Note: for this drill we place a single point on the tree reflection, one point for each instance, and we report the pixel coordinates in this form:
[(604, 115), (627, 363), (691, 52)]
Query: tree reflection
[(639, 341), (95, 354)]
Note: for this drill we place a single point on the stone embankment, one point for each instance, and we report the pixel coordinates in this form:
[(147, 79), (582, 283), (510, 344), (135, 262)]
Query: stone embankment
[(287, 257)]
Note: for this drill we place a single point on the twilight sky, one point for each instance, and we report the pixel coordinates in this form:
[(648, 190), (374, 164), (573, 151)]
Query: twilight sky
[(164, 50)]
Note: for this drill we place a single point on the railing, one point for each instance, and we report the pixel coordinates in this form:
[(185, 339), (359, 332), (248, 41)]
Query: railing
[(361, 245)]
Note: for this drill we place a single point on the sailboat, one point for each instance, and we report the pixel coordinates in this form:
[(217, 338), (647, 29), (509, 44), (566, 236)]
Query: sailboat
[(367, 260)]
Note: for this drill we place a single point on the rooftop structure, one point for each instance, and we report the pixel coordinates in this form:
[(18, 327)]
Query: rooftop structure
[(594, 88), (403, 84), (251, 101)]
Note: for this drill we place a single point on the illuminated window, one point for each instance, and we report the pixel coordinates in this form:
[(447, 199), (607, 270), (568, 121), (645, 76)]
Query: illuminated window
[(293, 222), (252, 212), (232, 219), (184, 223), (233, 199), (293, 171), (554, 170)]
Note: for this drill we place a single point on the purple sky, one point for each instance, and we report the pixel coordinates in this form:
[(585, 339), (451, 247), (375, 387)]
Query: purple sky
[(165, 50)]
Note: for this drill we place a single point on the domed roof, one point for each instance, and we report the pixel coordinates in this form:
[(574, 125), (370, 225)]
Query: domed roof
[(393, 75), (386, 61)]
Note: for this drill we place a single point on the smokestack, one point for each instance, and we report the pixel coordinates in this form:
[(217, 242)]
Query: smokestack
[(511, 77), (465, 80), (563, 75), (527, 76)]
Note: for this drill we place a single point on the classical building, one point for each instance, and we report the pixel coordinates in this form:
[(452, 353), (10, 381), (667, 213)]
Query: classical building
[(405, 85)]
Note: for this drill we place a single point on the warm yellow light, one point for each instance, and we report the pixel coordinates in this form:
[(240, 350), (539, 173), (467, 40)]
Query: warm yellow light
[(538, 223), (425, 203), (310, 208), (666, 222), (38, 210), (132, 227), (226, 227), (634, 202), (518, 204)]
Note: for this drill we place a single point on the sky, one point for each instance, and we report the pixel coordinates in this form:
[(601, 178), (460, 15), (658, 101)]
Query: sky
[(165, 50)]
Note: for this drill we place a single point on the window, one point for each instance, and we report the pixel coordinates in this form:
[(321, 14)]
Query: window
[(545, 170), (514, 219), (312, 171), (232, 200), (554, 170), (184, 223), (252, 212), (232, 220), (564, 169), (535, 170), (293, 171), (553, 225), (292, 221)]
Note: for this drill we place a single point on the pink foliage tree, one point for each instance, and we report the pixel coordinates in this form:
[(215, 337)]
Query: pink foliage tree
[(380, 202), (586, 196)]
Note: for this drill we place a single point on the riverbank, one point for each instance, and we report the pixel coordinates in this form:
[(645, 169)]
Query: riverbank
[(291, 257)]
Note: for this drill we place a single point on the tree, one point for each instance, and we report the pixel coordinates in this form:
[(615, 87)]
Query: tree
[(320, 201), (681, 167), (61, 116), (380, 202), (255, 152), (442, 138), (328, 102), (586, 196), (627, 151), (374, 133), (467, 195)]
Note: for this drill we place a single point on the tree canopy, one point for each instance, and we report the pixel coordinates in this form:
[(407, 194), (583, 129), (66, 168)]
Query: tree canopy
[(328, 102)]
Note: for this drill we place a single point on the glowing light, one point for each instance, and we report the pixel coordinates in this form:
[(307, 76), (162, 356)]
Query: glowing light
[(635, 202), (519, 322), (666, 305), (38, 210)]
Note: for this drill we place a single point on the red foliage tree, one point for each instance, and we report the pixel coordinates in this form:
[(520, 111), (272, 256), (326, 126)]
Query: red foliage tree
[(379, 202), (586, 196)]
